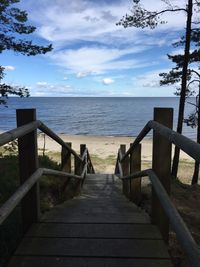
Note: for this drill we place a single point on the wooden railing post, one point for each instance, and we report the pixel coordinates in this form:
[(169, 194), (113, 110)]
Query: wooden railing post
[(78, 168), (28, 164), (66, 166), (66, 159), (135, 166), (82, 150), (161, 165), (125, 168)]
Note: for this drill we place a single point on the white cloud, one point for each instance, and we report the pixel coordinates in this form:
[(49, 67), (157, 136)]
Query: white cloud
[(9, 68), (65, 78), (85, 37), (42, 84), (83, 74), (97, 59), (148, 84), (65, 22), (46, 89), (107, 81)]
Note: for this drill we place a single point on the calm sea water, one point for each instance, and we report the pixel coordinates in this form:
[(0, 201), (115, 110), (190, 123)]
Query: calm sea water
[(92, 116)]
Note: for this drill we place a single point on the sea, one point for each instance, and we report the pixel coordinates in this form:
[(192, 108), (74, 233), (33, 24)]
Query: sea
[(107, 116)]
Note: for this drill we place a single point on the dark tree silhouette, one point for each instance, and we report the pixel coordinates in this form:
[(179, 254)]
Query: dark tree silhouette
[(13, 25), (142, 18), (193, 120)]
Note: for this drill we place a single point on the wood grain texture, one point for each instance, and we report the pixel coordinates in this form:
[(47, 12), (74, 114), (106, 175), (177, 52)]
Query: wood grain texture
[(100, 227)]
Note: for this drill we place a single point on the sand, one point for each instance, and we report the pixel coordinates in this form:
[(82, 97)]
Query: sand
[(102, 146)]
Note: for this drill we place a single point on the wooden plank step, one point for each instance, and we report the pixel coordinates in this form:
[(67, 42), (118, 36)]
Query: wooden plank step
[(88, 204), (139, 231), (100, 228), (127, 211), (127, 248), (41, 261), (63, 216), (99, 202)]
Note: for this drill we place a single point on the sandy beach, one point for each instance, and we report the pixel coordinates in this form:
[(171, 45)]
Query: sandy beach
[(103, 151), (102, 146)]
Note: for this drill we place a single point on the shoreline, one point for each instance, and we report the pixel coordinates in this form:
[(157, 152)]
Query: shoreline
[(102, 146)]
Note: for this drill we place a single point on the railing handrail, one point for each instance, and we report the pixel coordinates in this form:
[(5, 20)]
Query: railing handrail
[(184, 236), (91, 168), (188, 146), (23, 189), (29, 127), (18, 132), (59, 140)]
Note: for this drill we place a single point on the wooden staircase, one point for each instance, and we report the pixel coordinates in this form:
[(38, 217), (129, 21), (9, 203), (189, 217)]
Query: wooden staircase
[(101, 227), (98, 228)]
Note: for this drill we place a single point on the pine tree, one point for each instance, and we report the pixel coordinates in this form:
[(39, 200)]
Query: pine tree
[(142, 18), (174, 76), (13, 24), (193, 120)]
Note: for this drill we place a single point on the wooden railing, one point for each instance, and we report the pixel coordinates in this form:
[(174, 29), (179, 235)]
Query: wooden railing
[(128, 168), (28, 192)]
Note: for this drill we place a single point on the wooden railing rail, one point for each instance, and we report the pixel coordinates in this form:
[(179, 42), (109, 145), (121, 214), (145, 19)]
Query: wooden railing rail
[(189, 146), (29, 171), (163, 211), (42, 127), (18, 132), (184, 236), (90, 165), (29, 127), (16, 198), (130, 161)]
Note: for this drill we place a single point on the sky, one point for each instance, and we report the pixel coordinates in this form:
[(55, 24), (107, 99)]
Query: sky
[(92, 56)]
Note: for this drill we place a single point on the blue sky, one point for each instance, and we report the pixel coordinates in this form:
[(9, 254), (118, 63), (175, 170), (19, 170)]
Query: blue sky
[(92, 56)]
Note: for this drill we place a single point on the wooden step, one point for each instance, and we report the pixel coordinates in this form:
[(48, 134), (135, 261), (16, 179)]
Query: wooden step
[(99, 228)]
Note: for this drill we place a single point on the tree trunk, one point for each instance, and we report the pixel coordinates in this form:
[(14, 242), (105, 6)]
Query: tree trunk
[(196, 167), (183, 85)]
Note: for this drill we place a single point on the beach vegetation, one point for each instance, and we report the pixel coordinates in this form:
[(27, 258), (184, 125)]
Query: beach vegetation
[(51, 193), (143, 18), (13, 28)]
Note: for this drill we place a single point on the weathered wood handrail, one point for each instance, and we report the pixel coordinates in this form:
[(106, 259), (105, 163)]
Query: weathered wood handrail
[(184, 236), (29, 168), (161, 163), (119, 163), (90, 165), (187, 145), (15, 199), (25, 129), (42, 127), (163, 211), (18, 132), (84, 155)]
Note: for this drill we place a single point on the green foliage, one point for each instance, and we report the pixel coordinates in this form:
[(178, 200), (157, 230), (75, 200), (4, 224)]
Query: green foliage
[(192, 120), (143, 18), (10, 148), (13, 25), (174, 76), (9, 179), (10, 230)]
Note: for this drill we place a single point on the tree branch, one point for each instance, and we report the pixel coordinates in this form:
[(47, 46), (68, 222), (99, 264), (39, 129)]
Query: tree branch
[(166, 10)]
